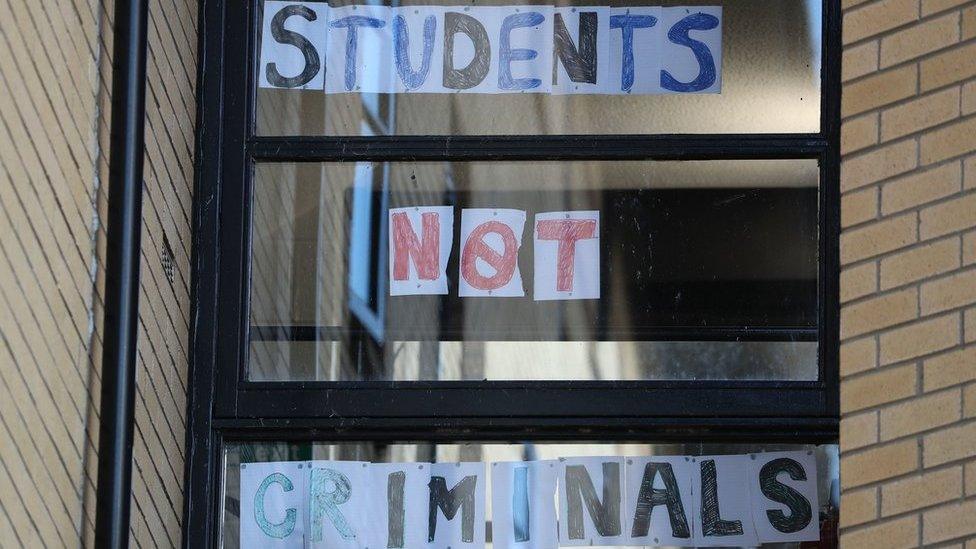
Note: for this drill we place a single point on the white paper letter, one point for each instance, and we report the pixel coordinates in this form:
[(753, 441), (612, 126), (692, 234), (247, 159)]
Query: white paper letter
[(490, 243), (420, 244), (567, 255)]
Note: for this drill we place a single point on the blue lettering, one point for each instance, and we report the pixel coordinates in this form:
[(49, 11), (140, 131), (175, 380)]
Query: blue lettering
[(627, 24), (352, 23), (284, 528), (706, 64), (506, 54), (401, 40)]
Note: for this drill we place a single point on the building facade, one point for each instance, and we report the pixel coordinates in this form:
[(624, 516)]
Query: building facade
[(907, 276)]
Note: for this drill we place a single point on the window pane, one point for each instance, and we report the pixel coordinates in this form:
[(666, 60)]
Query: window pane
[(238, 455), (705, 270), (770, 83)]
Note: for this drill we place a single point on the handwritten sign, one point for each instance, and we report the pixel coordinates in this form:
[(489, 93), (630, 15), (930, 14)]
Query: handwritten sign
[(491, 49), (567, 252), (609, 501)]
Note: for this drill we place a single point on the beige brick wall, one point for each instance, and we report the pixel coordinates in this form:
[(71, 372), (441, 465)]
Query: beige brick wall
[(55, 82), (908, 280)]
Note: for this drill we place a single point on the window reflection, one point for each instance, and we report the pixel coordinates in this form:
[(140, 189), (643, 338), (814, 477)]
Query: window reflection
[(708, 271)]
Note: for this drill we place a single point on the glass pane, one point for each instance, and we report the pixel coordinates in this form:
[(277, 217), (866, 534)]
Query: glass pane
[(770, 83), (239, 456), (703, 270)]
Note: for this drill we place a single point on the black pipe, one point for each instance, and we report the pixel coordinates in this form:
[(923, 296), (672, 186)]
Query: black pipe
[(120, 325)]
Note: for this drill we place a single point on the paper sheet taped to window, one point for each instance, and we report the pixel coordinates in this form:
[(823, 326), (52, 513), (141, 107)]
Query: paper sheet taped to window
[(491, 49), (580, 501)]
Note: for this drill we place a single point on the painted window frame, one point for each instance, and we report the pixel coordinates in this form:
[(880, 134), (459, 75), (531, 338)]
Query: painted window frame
[(223, 405)]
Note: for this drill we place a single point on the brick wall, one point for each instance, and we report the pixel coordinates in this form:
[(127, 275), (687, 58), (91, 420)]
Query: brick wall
[(55, 82), (908, 281)]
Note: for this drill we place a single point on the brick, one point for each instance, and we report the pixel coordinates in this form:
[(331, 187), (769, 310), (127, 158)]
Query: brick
[(879, 463), (859, 60), (909, 494), (878, 17), (874, 166), (969, 401), (920, 414), (971, 478), (953, 140), (859, 206), (968, 100), (949, 292), (969, 248), (935, 6), (880, 89), (949, 444), (921, 113), (858, 506), (920, 262), (948, 522), (858, 355), (858, 133), (948, 217), (945, 68), (969, 23), (877, 238), (900, 533), (859, 281), (970, 321), (878, 312), (919, 338), (969, 173), (879, 387), (921, 187), (951, 368), (858, 431), (920, 39)]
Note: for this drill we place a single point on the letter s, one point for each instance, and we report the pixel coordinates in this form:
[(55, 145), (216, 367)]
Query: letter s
[(285, 36)]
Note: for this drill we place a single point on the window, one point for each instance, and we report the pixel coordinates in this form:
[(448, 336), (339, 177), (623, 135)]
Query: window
[(711, 327)]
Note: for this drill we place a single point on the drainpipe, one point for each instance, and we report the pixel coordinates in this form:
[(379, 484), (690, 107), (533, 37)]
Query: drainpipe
[(124, 229)]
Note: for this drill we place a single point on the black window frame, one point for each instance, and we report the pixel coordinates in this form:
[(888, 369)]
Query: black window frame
[(223, 405)]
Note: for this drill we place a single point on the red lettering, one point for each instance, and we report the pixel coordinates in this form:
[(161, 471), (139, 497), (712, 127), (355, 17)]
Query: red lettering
[(567, 232), (504, 264), (424, 252)]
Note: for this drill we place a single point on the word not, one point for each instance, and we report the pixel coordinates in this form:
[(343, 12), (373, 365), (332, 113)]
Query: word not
[(737, 500), (567, 252), (491, 49)]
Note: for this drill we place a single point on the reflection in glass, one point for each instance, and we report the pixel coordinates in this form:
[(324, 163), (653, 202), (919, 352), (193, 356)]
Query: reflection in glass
[(708, 271), (243, 453), (770, 84)]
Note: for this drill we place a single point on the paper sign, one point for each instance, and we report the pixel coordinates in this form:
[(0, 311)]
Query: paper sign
[(523, 504), (272, 505), (418, 49), (338, 505), (293, 37), (567, 255), (785, 506), (359, 48), (420, 245), (691, 52), (591, 501), (456, 506), (491, 49), (398, 512), (660, 508), (721, 498), (636, 37), (581, 65), (490, 243)]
